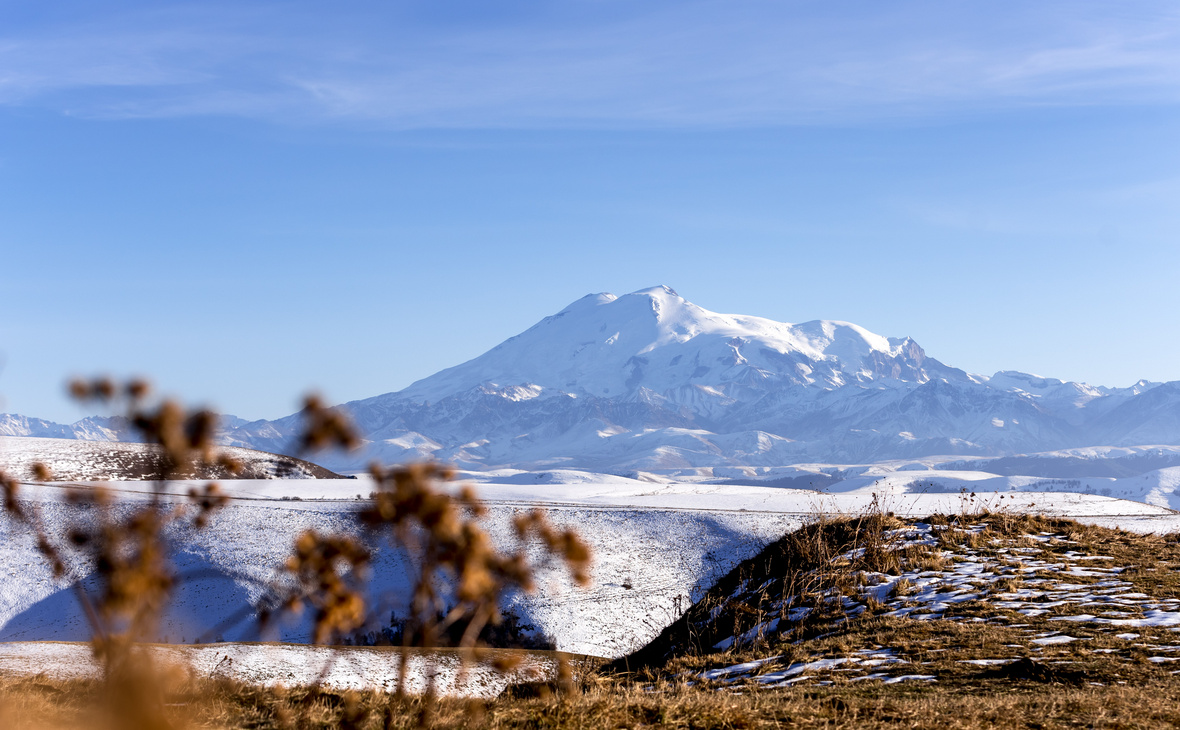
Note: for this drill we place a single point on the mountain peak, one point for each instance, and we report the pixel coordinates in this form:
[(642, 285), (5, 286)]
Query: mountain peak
[(649, 380), (654, 343), (656, 292)]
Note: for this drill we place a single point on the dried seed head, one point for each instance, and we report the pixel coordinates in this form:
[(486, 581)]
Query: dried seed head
[(11, 489), (95, 389), (137, 389), (42, 472), (50, 553), (230, 464), (326, 569), (458, 560), (79, 389), (104, 388), (208, 500), (325, 427), (201, 428), (577, 555)]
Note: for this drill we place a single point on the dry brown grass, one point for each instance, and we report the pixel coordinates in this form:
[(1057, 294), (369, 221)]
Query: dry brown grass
[(814, 566), (42, 703)]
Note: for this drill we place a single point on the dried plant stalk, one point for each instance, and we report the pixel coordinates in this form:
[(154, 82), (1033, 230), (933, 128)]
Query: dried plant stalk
[(459, 581)]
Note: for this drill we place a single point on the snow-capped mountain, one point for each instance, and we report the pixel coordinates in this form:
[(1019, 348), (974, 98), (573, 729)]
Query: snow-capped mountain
[(94, 428), (651, 381), (654, 343)]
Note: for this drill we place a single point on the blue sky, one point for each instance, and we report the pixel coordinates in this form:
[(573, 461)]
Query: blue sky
[(246, 200)]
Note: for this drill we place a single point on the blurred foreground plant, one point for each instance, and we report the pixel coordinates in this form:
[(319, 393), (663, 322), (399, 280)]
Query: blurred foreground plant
[(122, 547), (460, 576)]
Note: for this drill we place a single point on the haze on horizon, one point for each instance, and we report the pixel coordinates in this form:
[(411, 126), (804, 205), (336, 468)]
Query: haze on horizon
[(243, 200)]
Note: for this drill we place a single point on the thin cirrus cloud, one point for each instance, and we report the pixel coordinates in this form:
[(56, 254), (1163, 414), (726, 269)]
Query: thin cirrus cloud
[(668, 65)]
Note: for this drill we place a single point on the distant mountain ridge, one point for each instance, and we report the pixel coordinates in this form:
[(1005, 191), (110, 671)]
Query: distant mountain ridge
[(651, 381), (102, 460), (94, 428)]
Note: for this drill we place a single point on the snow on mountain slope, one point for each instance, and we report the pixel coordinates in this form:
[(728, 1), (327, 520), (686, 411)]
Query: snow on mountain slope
[(1093, 461), (649, 380), (1161, 487), (1150, 417), (655, 340), (94, 428), (607, 376)]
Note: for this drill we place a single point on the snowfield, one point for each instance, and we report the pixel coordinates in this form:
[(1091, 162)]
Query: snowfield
[(656, 546), (660, 541), (337, 668), (648, 562)]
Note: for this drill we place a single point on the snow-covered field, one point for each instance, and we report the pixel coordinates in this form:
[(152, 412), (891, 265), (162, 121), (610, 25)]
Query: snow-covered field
[(657, 547), (1081, 471), (648, 562), (292, 665)]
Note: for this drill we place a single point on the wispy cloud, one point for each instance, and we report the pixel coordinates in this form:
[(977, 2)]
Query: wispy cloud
[(600, 64)]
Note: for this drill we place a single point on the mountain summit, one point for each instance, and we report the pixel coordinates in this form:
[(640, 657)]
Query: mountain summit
[(651, 381), (654, 343)]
